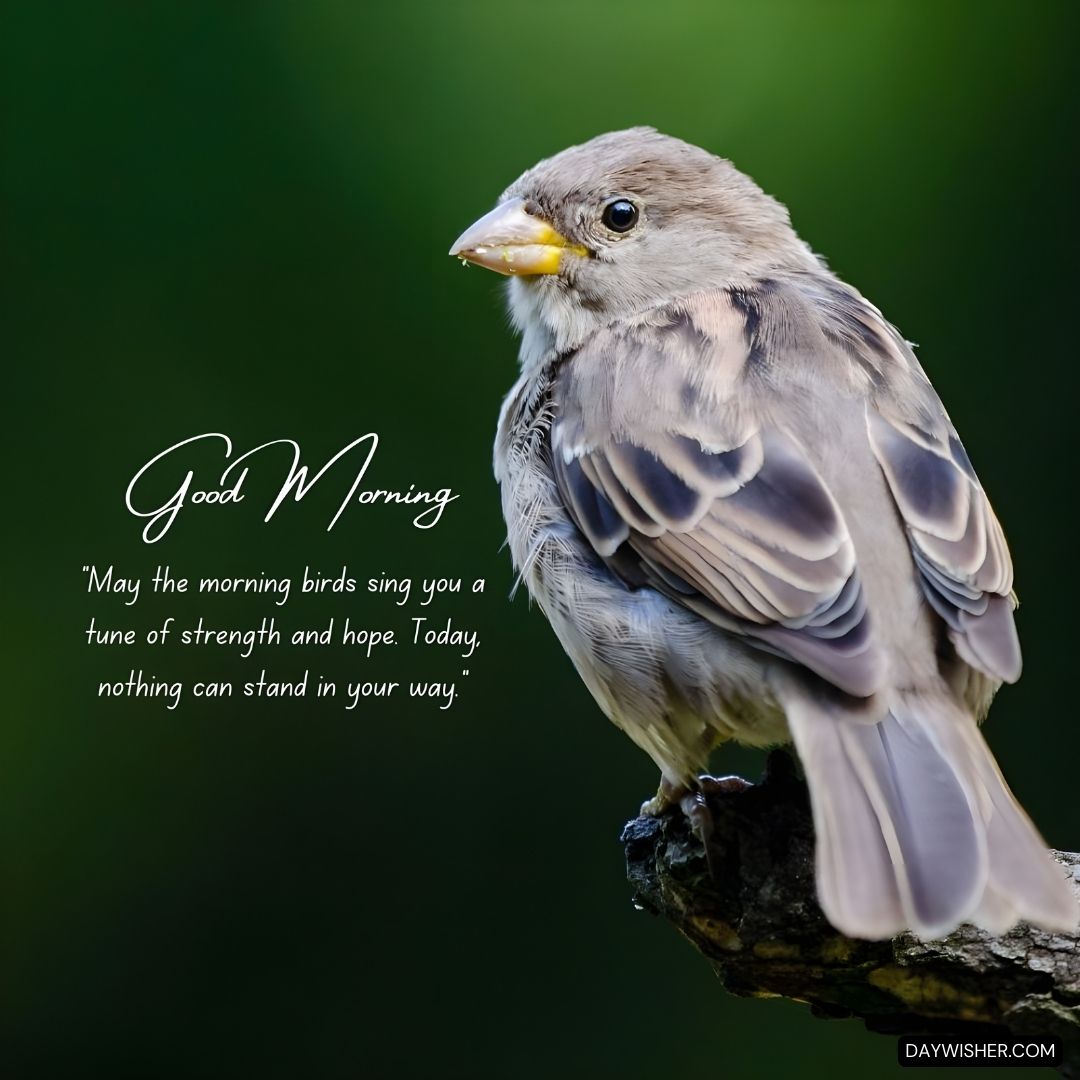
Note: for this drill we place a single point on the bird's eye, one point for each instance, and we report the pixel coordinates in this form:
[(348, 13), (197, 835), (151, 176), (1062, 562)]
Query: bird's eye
[(620, 215)]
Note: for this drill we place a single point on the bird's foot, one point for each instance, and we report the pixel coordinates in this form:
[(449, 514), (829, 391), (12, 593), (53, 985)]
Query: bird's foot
[(722, 785), (666, 798), (693, 802), (694, 805), (669, 794)]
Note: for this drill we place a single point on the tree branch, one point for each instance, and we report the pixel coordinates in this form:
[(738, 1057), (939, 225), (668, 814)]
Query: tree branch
[(757, 920)]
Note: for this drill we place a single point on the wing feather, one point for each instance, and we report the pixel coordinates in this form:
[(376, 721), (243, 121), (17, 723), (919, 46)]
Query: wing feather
[(956, 540), (719, 509), (682, 483)]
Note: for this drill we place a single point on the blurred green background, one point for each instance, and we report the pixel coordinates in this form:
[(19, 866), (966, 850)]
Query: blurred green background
[(235, 218)]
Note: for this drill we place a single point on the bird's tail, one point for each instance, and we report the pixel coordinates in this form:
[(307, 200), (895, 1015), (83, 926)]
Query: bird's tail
[(916, 828)]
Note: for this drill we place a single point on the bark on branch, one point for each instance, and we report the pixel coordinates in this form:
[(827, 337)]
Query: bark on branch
[(758, 922)]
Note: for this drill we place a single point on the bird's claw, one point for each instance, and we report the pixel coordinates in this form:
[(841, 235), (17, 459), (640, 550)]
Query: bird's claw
[(722, 785), (693, 802)]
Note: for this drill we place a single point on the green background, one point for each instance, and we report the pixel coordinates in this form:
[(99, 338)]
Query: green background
[(234, 218)]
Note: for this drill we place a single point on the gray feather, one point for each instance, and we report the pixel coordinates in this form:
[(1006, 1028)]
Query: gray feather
[(958, 845), (956, 541), (749, 527)]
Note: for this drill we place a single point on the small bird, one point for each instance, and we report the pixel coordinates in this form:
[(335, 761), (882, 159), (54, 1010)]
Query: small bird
[(735, 495)]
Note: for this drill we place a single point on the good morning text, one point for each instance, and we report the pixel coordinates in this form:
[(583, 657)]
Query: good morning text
[(227, 487)]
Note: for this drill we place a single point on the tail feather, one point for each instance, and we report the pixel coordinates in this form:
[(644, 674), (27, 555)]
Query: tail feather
[(1020, 870), (929, 818), (856, 885), (1022, 875), (916, 828)]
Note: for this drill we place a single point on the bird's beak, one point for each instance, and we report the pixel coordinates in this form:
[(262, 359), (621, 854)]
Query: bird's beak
[(511, 241)]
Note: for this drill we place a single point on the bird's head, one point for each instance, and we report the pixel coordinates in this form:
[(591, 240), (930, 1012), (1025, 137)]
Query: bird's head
[(625, 222)]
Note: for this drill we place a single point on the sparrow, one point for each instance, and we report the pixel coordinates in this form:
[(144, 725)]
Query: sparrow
[(740, 503)]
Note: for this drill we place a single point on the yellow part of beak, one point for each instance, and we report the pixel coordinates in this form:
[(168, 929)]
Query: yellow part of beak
[(511, 241)]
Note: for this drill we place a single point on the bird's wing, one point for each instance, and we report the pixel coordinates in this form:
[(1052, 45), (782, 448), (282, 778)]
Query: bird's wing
[(682, 486), (956, 540)]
